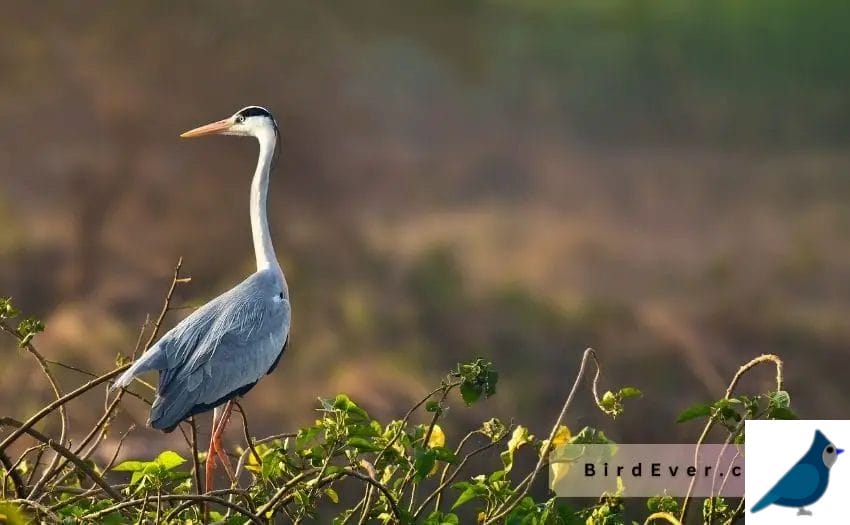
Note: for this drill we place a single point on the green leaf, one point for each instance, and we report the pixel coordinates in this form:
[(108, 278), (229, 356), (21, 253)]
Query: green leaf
[(131, 466), (306, 436), (781, 413), (780, 399), (424, 461), (169, 459), (136, 477), (7, 311), (470, 392), (628, 392), (663, 503), (28, 328), (439, 518), (470, 491), (332, 495), (363, 444), (478, 378), (493, 429), (444, 454), (590, 436), (343, 402), (694, 412)]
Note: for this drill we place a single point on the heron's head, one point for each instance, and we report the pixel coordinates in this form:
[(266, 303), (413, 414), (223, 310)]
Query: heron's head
[(252, 121)]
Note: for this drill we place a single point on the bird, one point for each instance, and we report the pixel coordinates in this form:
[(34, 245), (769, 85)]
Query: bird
[(806, 481), (221, 350)]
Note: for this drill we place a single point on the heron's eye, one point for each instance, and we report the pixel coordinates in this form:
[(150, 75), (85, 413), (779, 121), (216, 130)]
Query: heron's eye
[(280, 295), (240, 119), (830, 450)]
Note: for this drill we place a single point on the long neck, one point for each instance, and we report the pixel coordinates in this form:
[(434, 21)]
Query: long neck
[(263, 248)]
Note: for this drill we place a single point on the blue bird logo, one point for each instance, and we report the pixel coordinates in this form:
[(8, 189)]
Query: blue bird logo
[(807, 480)]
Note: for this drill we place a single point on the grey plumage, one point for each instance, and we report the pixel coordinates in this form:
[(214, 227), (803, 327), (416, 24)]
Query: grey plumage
[(223, 348)]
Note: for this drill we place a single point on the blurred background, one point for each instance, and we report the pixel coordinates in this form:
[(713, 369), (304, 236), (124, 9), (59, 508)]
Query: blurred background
[(665, 181)]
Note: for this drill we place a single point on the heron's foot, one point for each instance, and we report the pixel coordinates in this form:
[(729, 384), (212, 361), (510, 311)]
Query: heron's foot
[(803, 512)]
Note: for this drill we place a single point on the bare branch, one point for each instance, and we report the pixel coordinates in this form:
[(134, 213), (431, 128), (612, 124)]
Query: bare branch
[(66, 453)]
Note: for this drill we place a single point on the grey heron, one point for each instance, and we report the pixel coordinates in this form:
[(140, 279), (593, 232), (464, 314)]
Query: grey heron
[(224, 347)]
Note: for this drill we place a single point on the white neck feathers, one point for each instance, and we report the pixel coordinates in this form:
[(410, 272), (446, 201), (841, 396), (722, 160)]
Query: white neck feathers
[(263, 248)]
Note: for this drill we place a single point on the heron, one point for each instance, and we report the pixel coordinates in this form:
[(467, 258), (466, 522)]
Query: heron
[(221, 350)]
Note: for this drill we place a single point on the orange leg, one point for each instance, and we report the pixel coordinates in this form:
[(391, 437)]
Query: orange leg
[(215, 449), (219, 450)]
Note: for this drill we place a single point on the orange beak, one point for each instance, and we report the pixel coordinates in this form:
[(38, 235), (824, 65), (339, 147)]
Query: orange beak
[(209, 129)]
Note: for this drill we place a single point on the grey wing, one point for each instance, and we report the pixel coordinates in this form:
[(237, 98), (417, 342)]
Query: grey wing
[(221, 350)]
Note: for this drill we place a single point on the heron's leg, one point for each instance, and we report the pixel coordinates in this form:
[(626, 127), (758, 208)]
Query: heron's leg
[(216, 441)]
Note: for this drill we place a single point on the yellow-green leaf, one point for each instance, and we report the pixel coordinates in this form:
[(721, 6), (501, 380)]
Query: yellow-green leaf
[(519, 438), (438, 437)]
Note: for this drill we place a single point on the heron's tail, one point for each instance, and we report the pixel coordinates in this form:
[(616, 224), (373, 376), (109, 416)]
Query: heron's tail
[(150, 360)]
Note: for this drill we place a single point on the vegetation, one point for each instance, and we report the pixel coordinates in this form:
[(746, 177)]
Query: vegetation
[(346, 465)]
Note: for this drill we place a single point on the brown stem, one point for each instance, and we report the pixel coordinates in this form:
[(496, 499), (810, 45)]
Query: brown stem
[(80, 464), (525, 485), (446, 482), (50, 407), (765, 358), (63, 416), (176, 497), (11, 471)]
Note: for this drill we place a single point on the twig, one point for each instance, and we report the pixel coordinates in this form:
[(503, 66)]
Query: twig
[(50, 407), (25, 453), (75, 498), (283, 435), (158, 505), (11, 471), (445, 472), (177, 497), (196, 468), (378, 485), (42, 363), (66, 453), (92, 374), (764, 358), (525, 485), (98, 427), (427, 437), (402, 426), (118, 448), (445, 482), (38, 507), (144, 506), (410, 412), (141, 334), (247, 434), (174, 282), (186, 504), (330, 479), (36, 463), (739, 511), (282, 491), (196, 471)]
